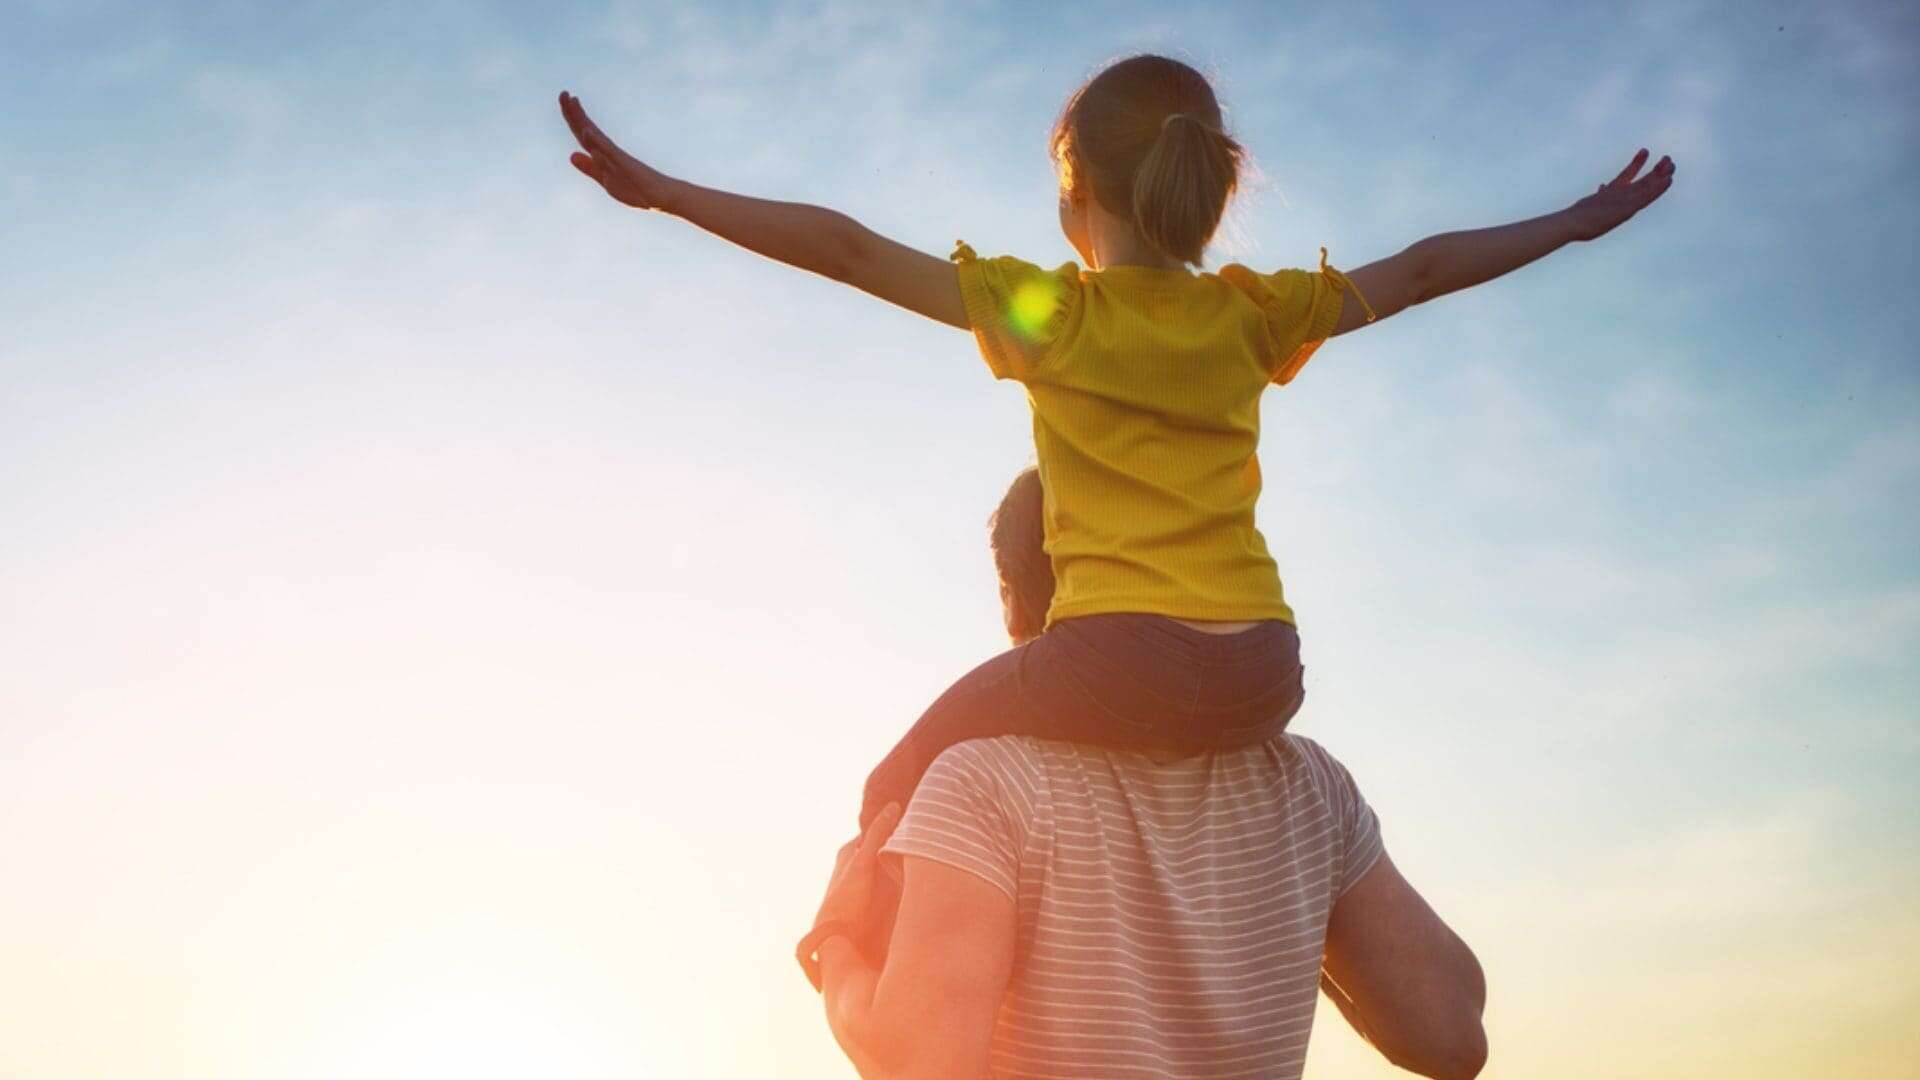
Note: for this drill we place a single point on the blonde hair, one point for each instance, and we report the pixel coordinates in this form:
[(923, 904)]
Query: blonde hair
[(1145, 139)]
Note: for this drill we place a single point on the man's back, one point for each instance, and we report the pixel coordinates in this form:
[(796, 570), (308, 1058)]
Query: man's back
[(1172, 914)]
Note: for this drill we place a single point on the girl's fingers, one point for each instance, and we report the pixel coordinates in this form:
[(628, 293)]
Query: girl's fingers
[(1627, 174), (602, 144), (1657, 179), (584, 129), (585, 164), (590, 134), (574, 125)]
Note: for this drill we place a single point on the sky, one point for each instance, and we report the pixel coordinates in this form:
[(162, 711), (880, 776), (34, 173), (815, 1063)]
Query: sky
[(445, 617)]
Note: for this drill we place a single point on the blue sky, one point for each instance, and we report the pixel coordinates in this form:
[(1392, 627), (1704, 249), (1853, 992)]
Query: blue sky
[(411, 562)]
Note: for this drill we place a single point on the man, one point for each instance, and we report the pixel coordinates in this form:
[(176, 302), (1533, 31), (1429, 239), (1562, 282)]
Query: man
[(1069, 910)]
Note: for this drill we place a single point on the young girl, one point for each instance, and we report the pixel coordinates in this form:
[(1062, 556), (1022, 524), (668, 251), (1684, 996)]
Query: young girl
[(1168, 628)]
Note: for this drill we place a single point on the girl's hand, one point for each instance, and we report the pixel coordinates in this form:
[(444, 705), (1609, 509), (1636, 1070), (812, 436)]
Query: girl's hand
[(1620, 198), (623, 176), (851, 890)]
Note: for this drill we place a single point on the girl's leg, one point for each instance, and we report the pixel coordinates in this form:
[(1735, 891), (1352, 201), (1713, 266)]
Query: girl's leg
[(1251, 686), (1018, 692), (1130, 681)]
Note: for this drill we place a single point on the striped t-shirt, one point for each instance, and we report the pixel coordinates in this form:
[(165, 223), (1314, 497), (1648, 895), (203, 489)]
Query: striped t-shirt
[(1172, 914)]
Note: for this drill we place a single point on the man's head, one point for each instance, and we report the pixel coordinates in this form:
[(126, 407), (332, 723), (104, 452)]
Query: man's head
[(1018, 540)]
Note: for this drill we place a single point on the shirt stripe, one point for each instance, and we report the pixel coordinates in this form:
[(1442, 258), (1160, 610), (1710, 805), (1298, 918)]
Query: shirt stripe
[(1172, 915)]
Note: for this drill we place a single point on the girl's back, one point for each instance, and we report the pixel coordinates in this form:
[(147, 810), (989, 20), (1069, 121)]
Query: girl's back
[(1145, 386)]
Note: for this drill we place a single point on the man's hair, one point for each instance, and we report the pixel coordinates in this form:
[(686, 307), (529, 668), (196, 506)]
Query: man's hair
[(1018, 539), (1145, 138)]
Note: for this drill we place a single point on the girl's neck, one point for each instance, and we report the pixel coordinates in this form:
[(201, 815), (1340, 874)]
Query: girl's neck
[(1114, 242), (1130, 250)]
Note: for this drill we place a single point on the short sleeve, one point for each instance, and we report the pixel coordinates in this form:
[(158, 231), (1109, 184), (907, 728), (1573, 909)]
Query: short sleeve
[(965, 815), (1301, 307), (1019, 312), (1363, 847), (1358, 827)]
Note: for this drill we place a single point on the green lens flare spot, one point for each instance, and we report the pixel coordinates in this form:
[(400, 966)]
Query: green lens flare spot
[(1032, 307)]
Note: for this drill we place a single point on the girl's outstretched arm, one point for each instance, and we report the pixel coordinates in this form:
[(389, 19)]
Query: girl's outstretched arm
[(809, 237), (1453, 261)]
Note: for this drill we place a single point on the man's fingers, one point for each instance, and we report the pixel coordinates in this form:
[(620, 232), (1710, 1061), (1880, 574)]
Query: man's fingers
[(1627, 174), (585, 164), (857, 856), (878, 832)]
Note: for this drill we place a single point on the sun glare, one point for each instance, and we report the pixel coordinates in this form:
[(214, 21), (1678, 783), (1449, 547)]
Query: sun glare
[(472, 1035), (1033, 304)]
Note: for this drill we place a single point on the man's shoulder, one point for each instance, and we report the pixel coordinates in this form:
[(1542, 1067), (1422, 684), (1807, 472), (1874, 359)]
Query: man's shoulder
[(1307, 751), (1031, 765), (1033, 752), (1000, 757)]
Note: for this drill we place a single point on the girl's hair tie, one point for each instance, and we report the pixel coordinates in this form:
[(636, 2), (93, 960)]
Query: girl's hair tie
[(1171, 117)]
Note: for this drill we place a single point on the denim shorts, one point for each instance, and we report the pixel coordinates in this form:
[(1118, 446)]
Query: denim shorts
[(1124, 680)]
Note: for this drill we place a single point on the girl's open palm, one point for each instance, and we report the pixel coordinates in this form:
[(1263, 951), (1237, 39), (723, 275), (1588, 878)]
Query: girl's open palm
[(624, 176), (1621, 198)]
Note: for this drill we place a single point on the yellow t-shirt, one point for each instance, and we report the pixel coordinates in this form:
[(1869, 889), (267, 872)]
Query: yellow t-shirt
[(1145, 386)]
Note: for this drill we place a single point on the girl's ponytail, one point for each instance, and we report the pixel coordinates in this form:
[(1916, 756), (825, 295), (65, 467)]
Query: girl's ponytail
[(1182, 185), (1145, 138)]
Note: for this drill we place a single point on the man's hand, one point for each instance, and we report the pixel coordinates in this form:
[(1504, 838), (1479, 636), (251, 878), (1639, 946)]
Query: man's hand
[(624, 176), (1620, 198), (851, 891)]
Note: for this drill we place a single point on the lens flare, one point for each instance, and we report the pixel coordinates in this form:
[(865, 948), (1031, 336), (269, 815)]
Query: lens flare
[(1033, 305)]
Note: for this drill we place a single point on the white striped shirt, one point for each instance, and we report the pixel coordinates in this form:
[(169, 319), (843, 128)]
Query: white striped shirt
[(1172, 915)]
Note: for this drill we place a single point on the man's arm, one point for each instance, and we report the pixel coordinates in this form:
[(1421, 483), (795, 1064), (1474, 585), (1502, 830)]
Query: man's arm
[(1403, 979), (930, 1014), (811, 238), (1453, 261)]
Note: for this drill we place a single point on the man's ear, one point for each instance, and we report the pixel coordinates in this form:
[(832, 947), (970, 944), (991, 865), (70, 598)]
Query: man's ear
[(1019, 621)]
